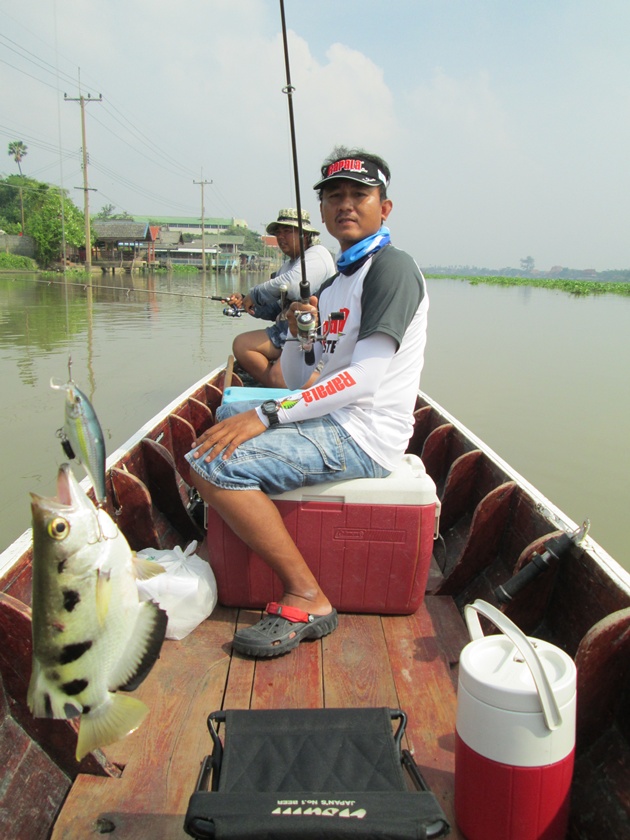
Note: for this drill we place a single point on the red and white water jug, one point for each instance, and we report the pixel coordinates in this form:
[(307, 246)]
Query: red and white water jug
[(515, 733)]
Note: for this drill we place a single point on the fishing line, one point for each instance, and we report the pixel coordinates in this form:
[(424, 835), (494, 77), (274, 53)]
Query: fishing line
[(61, 187), (289, 90), (87, 287)]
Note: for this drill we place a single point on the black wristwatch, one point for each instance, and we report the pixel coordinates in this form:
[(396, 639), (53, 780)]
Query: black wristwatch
[(270, 409)]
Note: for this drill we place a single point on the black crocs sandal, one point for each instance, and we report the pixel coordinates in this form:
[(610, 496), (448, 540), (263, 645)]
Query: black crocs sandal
[(281, 630)]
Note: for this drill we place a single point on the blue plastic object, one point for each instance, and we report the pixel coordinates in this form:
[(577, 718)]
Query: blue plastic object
[(238, 394)]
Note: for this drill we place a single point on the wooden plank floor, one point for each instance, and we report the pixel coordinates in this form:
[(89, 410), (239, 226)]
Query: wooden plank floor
[(406, 662)]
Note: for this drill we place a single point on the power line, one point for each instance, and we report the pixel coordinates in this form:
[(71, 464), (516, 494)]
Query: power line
[(34, 59), (160, 156)]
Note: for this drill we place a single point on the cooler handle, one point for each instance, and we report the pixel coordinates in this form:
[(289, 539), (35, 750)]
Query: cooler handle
[(550, 710)]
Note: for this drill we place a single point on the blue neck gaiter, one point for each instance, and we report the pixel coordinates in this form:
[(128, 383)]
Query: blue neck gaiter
[(348, 262)]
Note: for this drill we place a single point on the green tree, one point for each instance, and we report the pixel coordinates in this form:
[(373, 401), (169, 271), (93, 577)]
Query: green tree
[(51, 214), (12, 191), (18, 150), (43, 205), (107, 213), (251, 240)]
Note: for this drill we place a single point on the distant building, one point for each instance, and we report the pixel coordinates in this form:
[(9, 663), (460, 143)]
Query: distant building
[(160, 240), (191, 224), (122, 241), (223, 249)]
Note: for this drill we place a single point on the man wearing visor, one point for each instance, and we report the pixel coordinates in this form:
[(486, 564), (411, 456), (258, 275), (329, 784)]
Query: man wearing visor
[(355, 421)]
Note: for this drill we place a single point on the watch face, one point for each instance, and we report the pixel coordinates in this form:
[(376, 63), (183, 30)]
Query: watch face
[(270, 410)]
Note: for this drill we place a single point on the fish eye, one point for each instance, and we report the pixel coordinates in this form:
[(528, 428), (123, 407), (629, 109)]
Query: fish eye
[(58, 528)]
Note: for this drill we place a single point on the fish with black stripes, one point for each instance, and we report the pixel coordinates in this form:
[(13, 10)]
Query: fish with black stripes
[(92, 636)]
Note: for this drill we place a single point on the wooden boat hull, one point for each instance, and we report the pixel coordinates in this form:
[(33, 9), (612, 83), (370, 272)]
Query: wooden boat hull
[(492, 523)]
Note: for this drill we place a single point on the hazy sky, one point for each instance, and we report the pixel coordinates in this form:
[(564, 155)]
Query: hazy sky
[(506, 124)]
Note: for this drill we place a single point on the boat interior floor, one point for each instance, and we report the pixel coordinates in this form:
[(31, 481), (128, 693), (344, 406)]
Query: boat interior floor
[(406, 662)]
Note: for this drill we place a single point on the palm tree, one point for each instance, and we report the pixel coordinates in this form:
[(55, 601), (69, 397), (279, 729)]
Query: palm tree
[(17, 149)]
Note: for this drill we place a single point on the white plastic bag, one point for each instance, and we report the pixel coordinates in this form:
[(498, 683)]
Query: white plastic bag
[(187, 590)]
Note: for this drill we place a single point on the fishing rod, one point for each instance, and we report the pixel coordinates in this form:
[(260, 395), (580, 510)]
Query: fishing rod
[(308, 328), (85, 285), (232, 310), (289, 90)]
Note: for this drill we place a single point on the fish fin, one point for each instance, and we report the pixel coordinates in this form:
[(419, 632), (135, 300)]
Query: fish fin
[(142, 649), (117, 717), (103, 595), (46, 700), (144, 569)]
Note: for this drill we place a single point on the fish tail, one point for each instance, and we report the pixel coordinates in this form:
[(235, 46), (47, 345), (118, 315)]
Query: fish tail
[(110, 722), (46, 700)]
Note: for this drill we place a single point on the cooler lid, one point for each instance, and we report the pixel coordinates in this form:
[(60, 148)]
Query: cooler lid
[(408, 484), (493, 670)]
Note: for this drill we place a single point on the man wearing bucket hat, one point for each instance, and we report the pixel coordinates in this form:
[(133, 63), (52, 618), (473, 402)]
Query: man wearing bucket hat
[(256, 351), (354, 422)]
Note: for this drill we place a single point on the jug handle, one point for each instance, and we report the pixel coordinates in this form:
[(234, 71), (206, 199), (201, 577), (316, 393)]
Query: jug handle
[(551, 712)]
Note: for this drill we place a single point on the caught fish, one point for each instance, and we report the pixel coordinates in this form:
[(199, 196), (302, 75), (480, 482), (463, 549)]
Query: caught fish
[(92, 636), (81, 434)]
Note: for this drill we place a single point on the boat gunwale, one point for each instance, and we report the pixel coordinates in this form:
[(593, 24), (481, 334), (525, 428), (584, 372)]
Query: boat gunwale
[(547, 508), (609, 566)]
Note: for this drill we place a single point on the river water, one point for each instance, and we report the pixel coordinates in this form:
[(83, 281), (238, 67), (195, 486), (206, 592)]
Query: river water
[(543, 377)]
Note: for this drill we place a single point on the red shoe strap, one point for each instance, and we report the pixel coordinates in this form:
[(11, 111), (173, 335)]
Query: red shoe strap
[(290, 613)]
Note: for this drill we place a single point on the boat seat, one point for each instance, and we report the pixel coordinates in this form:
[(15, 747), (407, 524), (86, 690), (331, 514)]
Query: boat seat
[(459, 494), (603, 663), (441, 447), (489, 522), (165, 489), (312, 773)]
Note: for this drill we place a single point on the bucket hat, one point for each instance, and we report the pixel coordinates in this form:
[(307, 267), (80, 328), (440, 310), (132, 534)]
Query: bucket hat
[(289, 216)]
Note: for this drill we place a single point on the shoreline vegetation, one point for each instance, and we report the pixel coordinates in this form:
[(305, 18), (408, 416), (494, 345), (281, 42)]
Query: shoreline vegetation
[(13, 264), (572, 287)]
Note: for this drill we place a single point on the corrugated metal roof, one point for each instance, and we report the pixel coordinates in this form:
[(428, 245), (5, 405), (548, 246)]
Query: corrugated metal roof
[(117, 229)]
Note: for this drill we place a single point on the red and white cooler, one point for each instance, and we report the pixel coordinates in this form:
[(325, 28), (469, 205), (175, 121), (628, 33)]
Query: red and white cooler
[(368, 541), (515, 733)]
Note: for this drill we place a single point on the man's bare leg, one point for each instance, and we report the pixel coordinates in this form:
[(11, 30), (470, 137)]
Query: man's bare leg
[(256, 354), (255, 519)]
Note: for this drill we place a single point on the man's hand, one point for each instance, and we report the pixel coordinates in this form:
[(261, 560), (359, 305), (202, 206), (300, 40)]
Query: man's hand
[(228, 434), (298, 306)]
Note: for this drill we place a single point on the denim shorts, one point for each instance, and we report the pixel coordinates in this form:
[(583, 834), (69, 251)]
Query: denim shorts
[(277, 333), (288, 456)]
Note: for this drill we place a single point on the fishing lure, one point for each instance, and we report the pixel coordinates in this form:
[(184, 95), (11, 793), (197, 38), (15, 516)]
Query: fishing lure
[(81, 434)]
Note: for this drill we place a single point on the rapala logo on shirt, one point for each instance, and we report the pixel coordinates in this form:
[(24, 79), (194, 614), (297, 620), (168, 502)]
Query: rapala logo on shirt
[(337, 383), (319, 808)]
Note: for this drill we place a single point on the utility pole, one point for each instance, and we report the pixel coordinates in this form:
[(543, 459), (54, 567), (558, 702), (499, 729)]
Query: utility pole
[(202, 183), (86, 203)]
